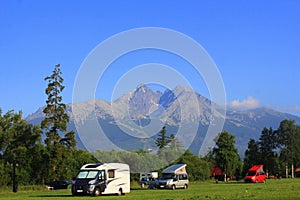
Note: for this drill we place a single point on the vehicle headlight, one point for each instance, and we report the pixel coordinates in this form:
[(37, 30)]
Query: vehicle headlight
[(92, 187)]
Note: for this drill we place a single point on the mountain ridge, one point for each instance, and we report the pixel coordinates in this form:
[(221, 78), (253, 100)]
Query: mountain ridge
[(133, 120)]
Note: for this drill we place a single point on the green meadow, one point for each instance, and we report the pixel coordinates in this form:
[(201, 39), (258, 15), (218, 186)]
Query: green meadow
[(273, 189)]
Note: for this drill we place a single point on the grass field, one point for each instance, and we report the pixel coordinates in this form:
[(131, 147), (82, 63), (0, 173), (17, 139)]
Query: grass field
[(273, 189)]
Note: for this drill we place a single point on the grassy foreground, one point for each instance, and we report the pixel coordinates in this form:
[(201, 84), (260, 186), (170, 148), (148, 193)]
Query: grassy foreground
[(273, 189)]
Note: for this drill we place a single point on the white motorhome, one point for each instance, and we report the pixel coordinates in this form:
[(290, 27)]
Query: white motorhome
[(102, 178), (174, 177)]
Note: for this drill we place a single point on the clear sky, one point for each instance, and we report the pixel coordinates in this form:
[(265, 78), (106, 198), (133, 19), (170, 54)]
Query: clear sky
[(255, 45)]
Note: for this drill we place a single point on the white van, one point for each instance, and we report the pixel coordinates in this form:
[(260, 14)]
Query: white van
[(174, 177), (102, 178)]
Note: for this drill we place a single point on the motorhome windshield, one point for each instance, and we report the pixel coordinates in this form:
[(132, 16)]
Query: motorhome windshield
[(87, 174), (165, 176)]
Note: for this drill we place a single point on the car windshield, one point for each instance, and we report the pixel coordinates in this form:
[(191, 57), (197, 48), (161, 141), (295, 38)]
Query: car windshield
[(167, 176), (251, 173), (87, 174)]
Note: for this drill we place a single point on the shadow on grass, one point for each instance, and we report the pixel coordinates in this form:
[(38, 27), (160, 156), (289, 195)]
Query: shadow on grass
[(231, 182), (52, 195), (68, 195)]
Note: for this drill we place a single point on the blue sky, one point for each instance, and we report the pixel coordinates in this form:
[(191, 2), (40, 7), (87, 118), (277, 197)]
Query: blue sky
[(255, 45)]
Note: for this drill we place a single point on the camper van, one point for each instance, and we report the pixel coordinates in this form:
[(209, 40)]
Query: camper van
[(102, 178), (256, 174), (174, 177)]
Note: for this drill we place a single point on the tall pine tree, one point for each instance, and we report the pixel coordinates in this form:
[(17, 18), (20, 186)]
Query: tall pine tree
[(252, 155), (163, 140), (267, 147), (55, 124)]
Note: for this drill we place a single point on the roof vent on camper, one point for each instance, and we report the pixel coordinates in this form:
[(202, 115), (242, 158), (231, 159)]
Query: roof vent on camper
[(93, 165)]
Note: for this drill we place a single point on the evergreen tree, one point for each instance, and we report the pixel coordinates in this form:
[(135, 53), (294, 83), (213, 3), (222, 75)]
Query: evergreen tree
[(252, 155), (55, 124), (288, 136), (174, 144), (163, 140), (267, 146)]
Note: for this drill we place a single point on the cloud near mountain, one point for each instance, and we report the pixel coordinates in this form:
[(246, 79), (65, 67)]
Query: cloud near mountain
[(249, 103)]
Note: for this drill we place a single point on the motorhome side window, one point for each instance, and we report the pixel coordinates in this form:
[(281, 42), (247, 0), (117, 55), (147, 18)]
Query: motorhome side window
[(111, 173), (102, 175)]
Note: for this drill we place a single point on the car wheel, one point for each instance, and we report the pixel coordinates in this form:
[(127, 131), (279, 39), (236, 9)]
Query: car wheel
[(97, 192), (74, 193), (173, 187), (185, 186)]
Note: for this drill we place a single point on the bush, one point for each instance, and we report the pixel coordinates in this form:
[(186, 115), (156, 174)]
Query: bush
[(197, 168)]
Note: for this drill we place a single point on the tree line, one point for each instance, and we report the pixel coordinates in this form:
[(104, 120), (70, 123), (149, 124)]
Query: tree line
[(39, 154), (278, 150)]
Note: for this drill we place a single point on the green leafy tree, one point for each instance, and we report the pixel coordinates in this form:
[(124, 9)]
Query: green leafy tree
[(197, 168), (17, 139), (55, 124), (138, 161), (226, 154), (39, 164)]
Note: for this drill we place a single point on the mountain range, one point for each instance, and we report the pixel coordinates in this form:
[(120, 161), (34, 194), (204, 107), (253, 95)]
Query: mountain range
[(134, 121)]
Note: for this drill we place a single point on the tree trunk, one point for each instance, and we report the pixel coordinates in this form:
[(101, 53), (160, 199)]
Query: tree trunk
[(292, 170), (286, 171), (15, 183)]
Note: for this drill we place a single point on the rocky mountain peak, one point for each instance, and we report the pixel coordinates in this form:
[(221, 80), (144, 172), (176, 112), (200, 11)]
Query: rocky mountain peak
[(142, 101), (173, 108)]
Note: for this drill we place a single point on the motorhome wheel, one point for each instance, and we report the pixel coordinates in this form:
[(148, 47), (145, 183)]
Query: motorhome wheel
[(97, 192)]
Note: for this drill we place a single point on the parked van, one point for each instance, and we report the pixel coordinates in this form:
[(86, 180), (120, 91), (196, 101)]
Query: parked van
[(146, 178), (174, 177), (256, 174), (102, 178)]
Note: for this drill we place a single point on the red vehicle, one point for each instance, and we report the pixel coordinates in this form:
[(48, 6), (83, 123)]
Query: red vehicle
[(256, 174), (217, 173)]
